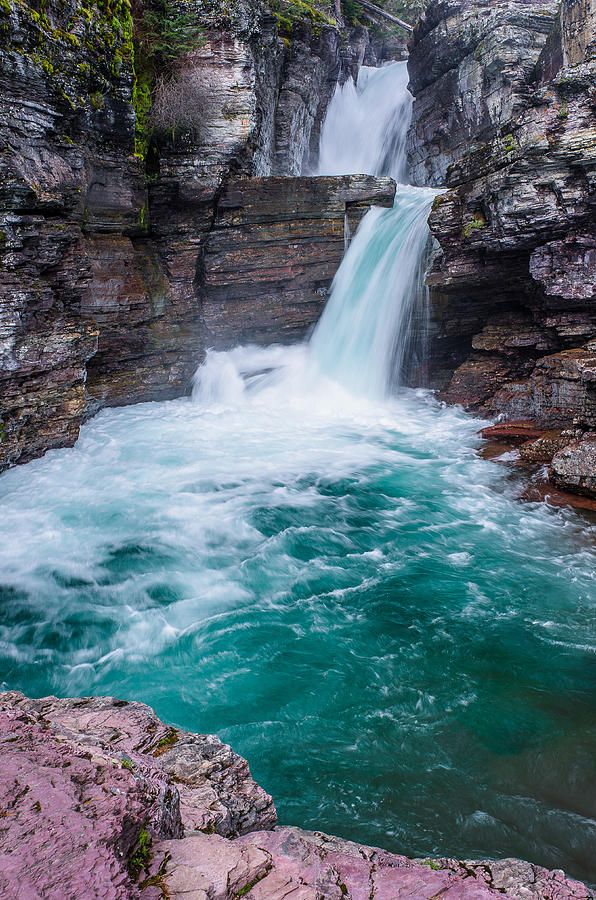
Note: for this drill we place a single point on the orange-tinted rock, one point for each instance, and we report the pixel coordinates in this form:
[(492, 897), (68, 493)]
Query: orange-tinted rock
[(516, 432)]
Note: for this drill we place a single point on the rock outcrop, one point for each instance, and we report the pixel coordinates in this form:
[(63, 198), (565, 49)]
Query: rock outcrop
[(111, 283), (505, 118), (124, 806), (507, 112)]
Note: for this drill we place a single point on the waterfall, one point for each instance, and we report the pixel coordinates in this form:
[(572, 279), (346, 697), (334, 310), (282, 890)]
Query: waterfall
[(366, 125), (365, 338)]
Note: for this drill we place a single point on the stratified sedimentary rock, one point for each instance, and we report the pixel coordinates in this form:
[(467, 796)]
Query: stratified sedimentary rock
[(106, 266), (99, 799), (574, 467), (505, 118)]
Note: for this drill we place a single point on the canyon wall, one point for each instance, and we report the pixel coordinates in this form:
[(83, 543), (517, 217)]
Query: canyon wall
[(122, 258), (505, 119)]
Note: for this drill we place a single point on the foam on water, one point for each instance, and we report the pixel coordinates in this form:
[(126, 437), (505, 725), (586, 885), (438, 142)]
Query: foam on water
[(336, 585)]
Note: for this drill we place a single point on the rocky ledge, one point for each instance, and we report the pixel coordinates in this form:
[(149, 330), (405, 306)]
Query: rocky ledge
[(124, 806)]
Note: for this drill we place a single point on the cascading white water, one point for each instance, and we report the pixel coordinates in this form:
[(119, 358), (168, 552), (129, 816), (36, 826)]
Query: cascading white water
[(364, 334), (363, 337), (366, 125)]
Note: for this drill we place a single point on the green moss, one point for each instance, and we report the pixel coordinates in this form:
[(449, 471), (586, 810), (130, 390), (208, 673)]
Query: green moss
[(563, 110), (117, 63), (432, 863), (5, 7), (476, 224), (141, 100), (289, 12), (510, 144), (248, 887), (47, 66), (441, 198), (166, 742), (141, 857), (97, 100), (65, 96)]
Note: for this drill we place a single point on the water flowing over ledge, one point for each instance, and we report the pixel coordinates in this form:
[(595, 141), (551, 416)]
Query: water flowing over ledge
[(364, 338)]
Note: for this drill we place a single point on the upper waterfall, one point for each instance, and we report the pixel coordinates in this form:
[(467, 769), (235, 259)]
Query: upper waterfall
[(366, 125)]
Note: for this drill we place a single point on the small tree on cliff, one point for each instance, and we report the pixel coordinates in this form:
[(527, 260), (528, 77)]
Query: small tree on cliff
[(166, 36)]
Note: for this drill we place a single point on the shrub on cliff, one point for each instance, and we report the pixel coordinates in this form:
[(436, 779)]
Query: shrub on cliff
[(179, 103), (166, 97)]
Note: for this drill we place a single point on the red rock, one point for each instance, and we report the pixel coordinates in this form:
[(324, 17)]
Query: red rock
[(516, 432)]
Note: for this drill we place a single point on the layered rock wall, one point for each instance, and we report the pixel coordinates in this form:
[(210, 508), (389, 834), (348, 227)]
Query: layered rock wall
[(109, 281), (505, 118)]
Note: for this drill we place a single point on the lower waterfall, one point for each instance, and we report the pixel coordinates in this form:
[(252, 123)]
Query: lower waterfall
[(364, 336), (324, 572)]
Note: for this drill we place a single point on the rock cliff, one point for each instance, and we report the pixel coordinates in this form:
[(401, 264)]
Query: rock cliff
[(127, 807), (112, 274), (505, 118)]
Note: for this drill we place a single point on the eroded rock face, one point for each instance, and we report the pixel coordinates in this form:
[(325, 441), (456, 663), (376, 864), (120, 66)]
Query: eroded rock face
[(103, 299), (505, 118), (127, 807)]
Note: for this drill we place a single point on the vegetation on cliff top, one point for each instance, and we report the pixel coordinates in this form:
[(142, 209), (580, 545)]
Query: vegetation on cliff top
[(164, 98), (409, 10)]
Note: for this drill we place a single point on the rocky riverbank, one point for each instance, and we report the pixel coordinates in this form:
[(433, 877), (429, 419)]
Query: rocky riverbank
[(505, 117), (113, 804)]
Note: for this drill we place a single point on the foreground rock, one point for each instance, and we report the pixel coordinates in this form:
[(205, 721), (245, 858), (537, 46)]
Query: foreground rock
[(124, 806)]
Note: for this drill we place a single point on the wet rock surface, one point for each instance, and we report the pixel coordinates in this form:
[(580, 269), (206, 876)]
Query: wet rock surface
[(102, 294), (505, 118), (574, 467), (125, 806)]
